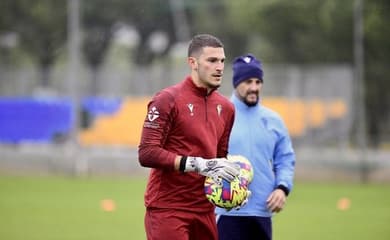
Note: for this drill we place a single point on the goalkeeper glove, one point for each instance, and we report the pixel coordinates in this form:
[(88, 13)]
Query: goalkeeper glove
[(215, 168)]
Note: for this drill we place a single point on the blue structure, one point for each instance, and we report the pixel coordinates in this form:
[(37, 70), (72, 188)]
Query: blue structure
[(34, 120), (27, 119), (96, 106)]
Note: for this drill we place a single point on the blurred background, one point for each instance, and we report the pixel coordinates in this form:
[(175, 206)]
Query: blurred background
[(76, 75)]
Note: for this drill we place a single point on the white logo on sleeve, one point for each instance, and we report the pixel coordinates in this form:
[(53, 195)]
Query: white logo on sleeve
[(153, 114)]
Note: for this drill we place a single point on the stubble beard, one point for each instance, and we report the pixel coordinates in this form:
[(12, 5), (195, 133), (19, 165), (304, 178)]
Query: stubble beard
[(207, 80), (213, 86), (251, 103)]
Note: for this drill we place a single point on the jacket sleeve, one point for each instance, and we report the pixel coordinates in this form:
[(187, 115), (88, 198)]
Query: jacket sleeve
[(284, 159), (154, 132)]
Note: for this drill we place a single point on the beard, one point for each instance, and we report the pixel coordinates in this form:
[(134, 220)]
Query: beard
[(251, 103), (208, 79), (212, 85)]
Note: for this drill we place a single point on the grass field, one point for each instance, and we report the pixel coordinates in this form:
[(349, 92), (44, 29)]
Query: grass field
[(61, 208)]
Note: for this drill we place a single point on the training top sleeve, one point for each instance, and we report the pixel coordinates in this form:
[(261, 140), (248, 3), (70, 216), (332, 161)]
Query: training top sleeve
[(284, 158), (154, 132)]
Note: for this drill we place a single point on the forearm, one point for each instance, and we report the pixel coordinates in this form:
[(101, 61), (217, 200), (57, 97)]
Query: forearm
[(156, 157), (284, 171), (284, 165)]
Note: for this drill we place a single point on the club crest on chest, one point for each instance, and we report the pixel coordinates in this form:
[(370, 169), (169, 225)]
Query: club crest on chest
[(191, 107)]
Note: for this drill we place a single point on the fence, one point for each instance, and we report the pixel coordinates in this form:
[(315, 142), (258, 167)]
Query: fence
[(314, 100)]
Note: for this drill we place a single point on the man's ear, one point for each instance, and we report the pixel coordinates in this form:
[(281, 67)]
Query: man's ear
[(193, 63)]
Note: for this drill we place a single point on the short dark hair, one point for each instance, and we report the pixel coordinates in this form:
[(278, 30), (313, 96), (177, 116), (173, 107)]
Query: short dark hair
[(200, 41)]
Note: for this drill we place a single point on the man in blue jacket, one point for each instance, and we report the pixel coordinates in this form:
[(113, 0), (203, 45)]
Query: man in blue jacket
[(260, 135)]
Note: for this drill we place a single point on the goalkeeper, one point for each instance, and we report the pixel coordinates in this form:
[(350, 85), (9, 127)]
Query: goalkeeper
[(260, 135), (185, 138)]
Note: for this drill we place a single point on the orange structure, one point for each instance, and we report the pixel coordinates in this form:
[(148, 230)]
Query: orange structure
[(124, 127)]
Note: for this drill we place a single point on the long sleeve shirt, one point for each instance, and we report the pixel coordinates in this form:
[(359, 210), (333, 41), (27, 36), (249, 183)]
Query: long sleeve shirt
[(260, 135), (183, 120)]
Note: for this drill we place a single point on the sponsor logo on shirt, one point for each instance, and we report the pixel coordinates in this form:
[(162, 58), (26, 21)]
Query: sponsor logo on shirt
[(153, 114)]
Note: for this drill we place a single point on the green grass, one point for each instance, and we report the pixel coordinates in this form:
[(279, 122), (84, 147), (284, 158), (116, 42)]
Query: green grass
[(312, 213), (51, 208)]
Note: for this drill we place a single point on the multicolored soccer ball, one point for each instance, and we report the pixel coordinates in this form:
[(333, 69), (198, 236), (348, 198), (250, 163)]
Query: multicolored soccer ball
[(246, 171), (232, 194), (228, 195)]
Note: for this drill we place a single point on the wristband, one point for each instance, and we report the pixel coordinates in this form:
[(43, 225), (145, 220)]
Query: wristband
[(284, 189), (182, 165)]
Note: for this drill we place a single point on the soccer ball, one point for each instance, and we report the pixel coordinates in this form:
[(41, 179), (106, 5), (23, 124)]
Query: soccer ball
[(246, 170), (228, 195)]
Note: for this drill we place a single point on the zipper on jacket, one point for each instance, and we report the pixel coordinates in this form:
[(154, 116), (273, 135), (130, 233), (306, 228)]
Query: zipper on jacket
[(205, 103)]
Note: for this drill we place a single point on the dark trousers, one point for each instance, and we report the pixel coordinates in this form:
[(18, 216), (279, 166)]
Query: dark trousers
[(238, 227)]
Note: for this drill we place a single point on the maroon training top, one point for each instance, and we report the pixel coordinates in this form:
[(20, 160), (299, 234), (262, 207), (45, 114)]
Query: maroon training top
[(182, 120)]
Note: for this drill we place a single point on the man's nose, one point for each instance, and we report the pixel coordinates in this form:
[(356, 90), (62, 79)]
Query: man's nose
[(220, 66), (253, 86)]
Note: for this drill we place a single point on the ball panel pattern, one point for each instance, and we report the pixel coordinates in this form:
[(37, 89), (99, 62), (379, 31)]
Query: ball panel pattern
[(230, 194)]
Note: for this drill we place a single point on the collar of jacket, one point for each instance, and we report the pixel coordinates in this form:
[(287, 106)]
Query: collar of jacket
[(200, 91)]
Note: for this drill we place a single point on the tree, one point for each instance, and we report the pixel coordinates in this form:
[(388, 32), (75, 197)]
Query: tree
[(299, 31), (377, 59), (98, 32), (148, 17), (310, 31), (41, 26), (5, 32), (219, 18)]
